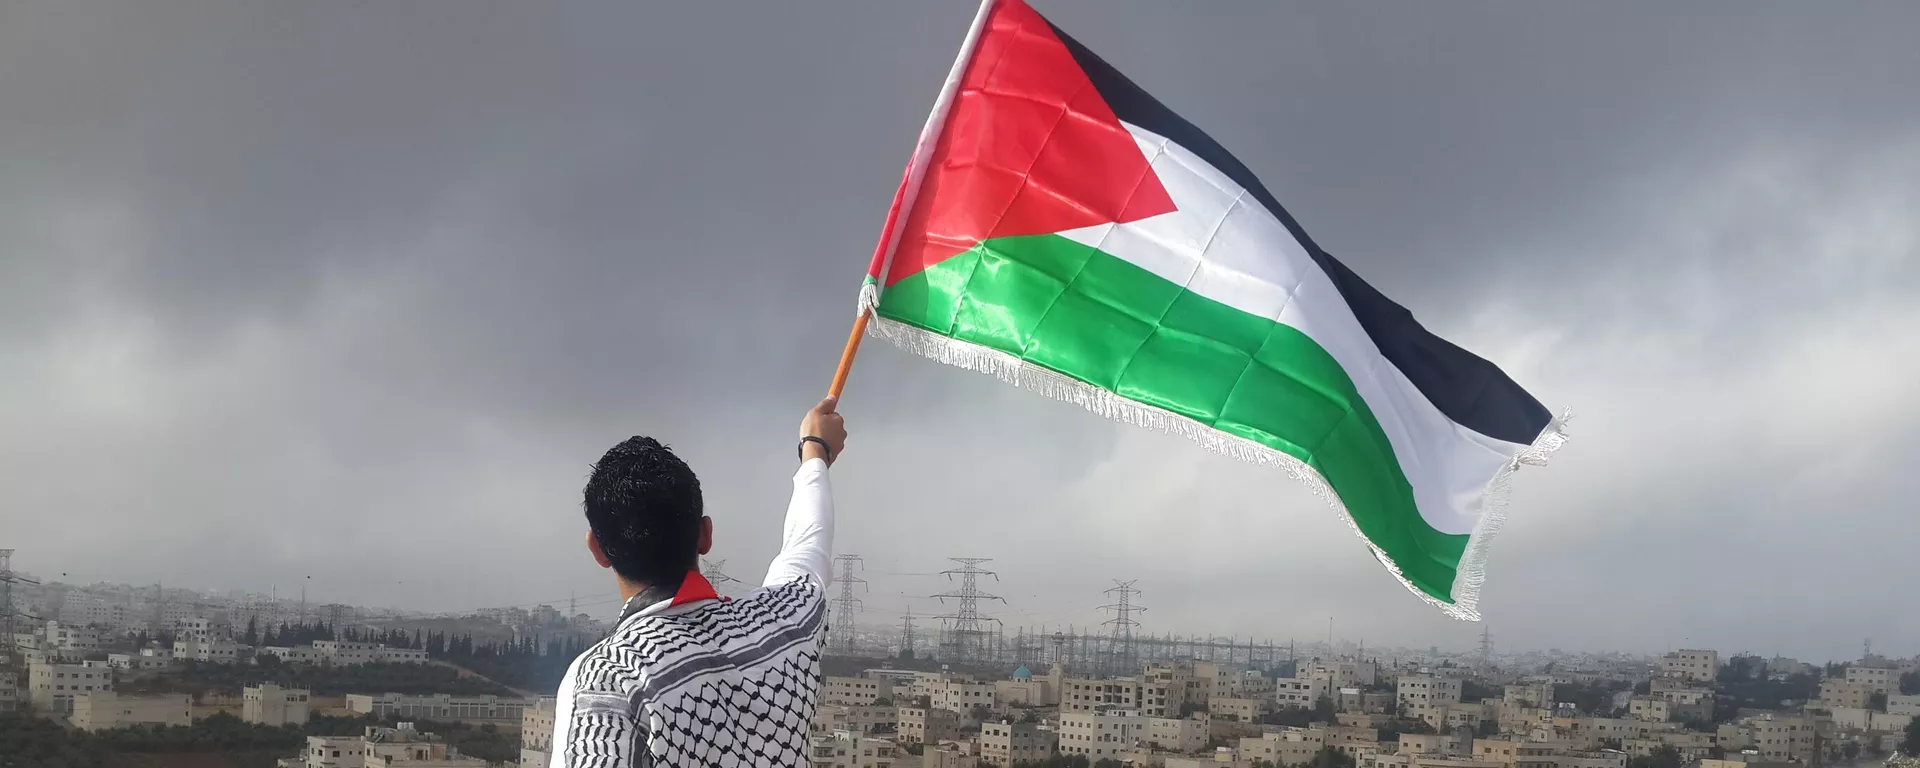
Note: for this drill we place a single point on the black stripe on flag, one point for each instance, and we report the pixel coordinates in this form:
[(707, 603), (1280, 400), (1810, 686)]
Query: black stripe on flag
[(1471, 391)]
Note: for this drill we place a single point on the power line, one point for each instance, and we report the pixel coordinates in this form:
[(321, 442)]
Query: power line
[(967, 638), (846, 605)]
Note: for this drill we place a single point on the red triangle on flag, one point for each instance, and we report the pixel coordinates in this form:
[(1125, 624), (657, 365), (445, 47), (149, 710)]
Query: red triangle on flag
[(1029, 147)]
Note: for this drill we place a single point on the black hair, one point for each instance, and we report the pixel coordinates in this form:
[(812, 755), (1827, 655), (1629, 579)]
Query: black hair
[(643, 504)]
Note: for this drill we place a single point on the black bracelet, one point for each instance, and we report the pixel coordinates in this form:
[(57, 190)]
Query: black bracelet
[(824, 448)]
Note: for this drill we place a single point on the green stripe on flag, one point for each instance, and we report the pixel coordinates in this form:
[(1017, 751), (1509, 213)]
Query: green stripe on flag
[(1113, 325)]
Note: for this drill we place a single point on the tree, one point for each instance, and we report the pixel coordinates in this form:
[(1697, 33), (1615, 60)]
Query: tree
[(1665, 756), (1323, 709), (1487, 730), (1877, 702), (252, 637), (1910, 683), (1911, 744), (1328, 757), (1851, 751)]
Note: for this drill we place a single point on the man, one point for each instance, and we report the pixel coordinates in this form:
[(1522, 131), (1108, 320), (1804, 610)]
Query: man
[(689, 678)]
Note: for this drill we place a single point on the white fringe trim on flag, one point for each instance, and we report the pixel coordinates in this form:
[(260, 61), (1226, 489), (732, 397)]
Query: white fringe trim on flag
[(1012, 370)]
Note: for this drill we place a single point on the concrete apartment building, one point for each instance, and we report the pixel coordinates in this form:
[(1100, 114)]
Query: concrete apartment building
[(211, 651), (333, 752), (919, 725), (1083, 695), (1242, 710), (1699, 666), (381, 747), (9, 691), (1300, 692), (1879, 679), (865, 720), (1650, 708), (269, 704), (1836, 694), (1781, 737), (842, 749), (1101, 735), (1181, 734), (1006, 743), (1289, 746), (444, 707), (52, 686), (959, 694), (1414, 691), (536, 733), (1534, 694), (1903, 705), (104, 710), (345, 654), (292, 654), (856, 691)]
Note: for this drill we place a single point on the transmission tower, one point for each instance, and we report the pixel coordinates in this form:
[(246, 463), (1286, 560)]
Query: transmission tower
[(906, 634), (716, 575), (1121, 656), (8, 654), (1486, 649), (968, 638), (846, 605)]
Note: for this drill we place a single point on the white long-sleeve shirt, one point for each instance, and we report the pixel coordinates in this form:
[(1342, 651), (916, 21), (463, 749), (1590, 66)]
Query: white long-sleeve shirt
[(696, 680)]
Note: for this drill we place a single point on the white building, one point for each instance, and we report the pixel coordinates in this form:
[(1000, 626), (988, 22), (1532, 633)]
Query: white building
[(960, 695), (1692, 664), (102, 710), (865, 720), (1181, 734), (72, 638), (1105, 734), (1006, 743), (927, 726), (1083, 695), (383, 747), (138, 661), (1416, 691), (444, 707), (52, 686), (295, 654), (843, 749), (269, 704), (211, 651), (1301, 692), (201, 629), (335, 752), (340, 653), (1876, 678), (536, 733), (856, 691), (1903, 705)]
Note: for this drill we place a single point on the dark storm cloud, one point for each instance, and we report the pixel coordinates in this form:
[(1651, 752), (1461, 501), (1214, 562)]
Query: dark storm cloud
[(368, 286)]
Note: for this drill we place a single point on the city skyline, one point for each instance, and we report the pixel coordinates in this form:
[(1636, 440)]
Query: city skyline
[(883, 623), (360, 294)]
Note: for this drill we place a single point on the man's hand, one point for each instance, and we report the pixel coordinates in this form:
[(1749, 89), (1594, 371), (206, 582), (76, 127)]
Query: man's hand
[(825, 423)]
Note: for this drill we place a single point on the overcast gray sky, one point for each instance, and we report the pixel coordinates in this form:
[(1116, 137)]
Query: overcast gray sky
[(358, 290)]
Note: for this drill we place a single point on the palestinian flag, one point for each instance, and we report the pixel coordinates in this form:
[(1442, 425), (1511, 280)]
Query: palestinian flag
[(1065, 231)]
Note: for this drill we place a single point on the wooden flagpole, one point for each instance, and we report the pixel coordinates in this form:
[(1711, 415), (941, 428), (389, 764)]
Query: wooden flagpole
[(846, 355)]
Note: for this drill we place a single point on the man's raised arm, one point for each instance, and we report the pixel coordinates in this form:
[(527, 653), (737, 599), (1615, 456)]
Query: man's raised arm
[(806, 541)]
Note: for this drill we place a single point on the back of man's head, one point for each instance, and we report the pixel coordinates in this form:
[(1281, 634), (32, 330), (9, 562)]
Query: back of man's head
[(643, 504)]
